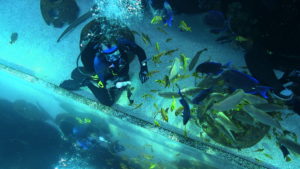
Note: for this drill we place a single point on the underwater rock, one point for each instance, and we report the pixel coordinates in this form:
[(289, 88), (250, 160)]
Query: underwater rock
[(59, 12)]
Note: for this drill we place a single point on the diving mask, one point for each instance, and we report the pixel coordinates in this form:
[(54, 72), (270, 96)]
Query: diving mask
[(111, 54)]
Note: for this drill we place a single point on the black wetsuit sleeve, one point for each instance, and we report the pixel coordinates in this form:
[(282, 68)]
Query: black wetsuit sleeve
[(136, 49), (140, 53)]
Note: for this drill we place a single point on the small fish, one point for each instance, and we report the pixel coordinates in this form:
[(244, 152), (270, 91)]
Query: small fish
[(151, 73), (157, 47), (196, 75), (227, 122), (156, 20), (168, 40), (174, 70), (201, 96), (186, 107), (285, 152), (179, 111), (164, 114), (256, 100), (185, 91), (135, 32), (239, 80), (165, 82), (179, 77), (225, 39), (211, 68), (184, 61), (230, 102), (184, 27), (268, 155), (161, 30), (145, 96), (152, 166), (156, 58), (270, 107), (154, 90), (241, 39), (170, 52), (261, 116), (156, 123), (148, 157), (291, 145), (196, 58), (223, 129), (146, 39), (137, 106), (259, 150), (173, 104), (13, 37)]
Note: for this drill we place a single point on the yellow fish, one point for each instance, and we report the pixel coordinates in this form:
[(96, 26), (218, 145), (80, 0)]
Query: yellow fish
[(179, 77), (152, 166), (174, 69), (148, 157), (156, 20), (151, 73), (165, 82), (137, 106), (145, 96), (173, 104), (184, 61), (154, 91), (146, 39), (161, 30), (156, 58), (156, 123), (179, 111), (164, 114), (241, 39), (184, 27), (170, 52), (157, 47)]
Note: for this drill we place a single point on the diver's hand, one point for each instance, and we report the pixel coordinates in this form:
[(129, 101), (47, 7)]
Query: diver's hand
[(143, 74)]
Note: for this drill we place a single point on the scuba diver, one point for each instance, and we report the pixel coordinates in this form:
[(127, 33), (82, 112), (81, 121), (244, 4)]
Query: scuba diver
[(84, 134), (106, 55)]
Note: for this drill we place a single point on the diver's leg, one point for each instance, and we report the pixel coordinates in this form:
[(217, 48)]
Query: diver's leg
[(102, 95), (76, 82)]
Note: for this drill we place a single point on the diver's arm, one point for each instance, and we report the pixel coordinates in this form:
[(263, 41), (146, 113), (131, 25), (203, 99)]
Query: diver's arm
[(141, 55), (143, 62)]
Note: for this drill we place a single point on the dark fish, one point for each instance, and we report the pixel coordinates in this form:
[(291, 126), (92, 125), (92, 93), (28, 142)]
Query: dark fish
[(13, 37), (225, 39), (186, 107), (195, 59), (239, 80), (76, 23), (201, 96), (211, 68), (284, 151)]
